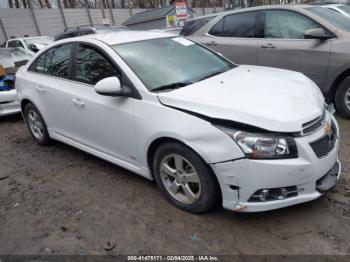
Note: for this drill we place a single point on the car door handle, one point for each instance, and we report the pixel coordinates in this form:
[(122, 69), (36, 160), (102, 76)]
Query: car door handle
[(269, 45), (211, 43), (78, 102), (40, 89)]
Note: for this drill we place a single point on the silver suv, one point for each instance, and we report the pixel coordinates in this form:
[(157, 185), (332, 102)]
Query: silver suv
[(310, 39)]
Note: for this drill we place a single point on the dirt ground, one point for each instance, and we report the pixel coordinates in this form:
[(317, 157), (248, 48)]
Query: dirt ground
[(59, 200)]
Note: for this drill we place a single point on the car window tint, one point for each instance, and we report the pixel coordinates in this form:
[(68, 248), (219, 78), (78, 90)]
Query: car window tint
[(92, 66), (236, 25), (192, 26), (38, 65), (285, 24), (15, 43), (217, 29), (57, 61)]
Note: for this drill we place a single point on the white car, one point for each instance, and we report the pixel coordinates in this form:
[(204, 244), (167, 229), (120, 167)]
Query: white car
[(31, 44), (339, 8), (172, 110), (8, 96)]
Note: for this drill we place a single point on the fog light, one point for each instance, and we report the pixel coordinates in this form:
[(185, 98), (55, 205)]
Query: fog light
[(264, 195)]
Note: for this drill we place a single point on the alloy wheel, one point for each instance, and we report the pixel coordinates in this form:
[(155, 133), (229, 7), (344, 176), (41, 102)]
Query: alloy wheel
[(180, 178), (347, 98), (35, 124)]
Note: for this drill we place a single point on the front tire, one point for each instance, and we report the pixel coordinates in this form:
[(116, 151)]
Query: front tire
[(184, 178), (342, 99), (36, 125)]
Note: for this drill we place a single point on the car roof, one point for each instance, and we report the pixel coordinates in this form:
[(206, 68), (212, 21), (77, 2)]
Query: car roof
[(263, 7), (121, 37)]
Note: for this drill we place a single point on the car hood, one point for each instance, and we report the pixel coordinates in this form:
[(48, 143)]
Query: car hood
[(272, 99)]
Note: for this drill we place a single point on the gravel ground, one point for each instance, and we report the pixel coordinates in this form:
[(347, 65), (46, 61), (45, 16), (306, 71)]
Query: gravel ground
[(59, 200)]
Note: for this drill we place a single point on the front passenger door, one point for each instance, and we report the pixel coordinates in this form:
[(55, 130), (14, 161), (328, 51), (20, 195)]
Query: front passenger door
[(284, 46), (103, 123)]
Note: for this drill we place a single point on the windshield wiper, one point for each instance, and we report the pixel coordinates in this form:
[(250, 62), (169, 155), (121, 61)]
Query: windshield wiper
[(171, 86), (212, 74)]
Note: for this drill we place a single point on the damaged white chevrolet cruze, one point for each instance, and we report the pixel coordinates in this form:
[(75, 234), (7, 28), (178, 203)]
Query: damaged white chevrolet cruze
[(166, 108)]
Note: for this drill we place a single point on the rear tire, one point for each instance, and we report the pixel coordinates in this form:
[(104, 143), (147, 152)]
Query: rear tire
[(184, 178), (36, 125), (342, 99)]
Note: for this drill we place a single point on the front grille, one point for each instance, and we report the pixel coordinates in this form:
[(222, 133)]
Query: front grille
[(324, 145), (313, 125)]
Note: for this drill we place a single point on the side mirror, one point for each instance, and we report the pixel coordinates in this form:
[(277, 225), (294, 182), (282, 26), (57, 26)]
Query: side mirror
[(33, 48), (109, 86), (317, 33)]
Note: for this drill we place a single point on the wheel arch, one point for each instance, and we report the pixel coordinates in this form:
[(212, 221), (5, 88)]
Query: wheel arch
[(338, 80), (25, 102), (162, 140)]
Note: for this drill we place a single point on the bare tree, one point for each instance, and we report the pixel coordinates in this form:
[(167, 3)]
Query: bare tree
[(17, 4), (24, 2)]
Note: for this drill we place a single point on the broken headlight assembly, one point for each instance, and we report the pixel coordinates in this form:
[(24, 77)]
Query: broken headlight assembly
[(263, 146)]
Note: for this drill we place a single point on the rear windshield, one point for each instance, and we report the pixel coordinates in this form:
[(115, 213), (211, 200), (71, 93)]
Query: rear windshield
[(194, 25), (338, 20)]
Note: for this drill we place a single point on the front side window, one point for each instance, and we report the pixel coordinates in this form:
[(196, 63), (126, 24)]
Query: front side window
[(286, 24), (236, 25), (92, 66), (338, 20), (57, 61), (171, 62)]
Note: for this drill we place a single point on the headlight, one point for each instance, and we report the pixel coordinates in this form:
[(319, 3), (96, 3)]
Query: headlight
[(263, 146)]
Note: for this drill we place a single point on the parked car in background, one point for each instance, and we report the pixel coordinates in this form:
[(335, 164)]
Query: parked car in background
[(87, 30), (31, 44), (306, 38), (10, 60), (339, 8), (169, 109)]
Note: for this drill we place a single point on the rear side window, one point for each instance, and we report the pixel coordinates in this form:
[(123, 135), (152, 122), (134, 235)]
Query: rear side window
[(92, 66), (236, 25), (57, 61), (54, 62), (194, 25), (38, 65)]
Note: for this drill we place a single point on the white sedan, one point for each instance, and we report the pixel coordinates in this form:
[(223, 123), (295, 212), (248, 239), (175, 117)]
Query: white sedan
[(169, 109)]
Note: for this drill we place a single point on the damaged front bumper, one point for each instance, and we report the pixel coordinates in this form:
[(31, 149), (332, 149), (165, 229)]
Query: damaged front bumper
[(249, 185)]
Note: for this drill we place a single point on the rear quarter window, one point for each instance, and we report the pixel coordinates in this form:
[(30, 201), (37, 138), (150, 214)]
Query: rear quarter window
[(193, 26)]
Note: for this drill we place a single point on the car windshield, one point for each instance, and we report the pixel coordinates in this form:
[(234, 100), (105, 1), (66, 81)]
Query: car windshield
[(338, 20), (345, 8), (168, 63), (38, 41)]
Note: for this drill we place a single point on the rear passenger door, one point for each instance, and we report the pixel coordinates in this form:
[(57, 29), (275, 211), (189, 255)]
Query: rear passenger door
[(284, 46), (52, 87), (236, 37)]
